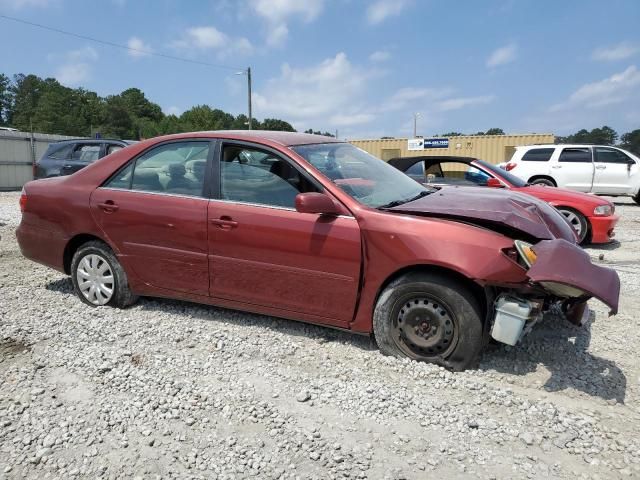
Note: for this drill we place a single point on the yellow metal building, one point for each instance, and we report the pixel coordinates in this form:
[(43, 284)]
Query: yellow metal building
[(492, 148)]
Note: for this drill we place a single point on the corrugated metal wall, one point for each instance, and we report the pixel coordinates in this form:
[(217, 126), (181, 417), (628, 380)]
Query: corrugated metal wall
[(492, 148), (17, 153)]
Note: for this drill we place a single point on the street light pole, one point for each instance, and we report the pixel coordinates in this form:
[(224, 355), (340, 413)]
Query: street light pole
[(415, 124)]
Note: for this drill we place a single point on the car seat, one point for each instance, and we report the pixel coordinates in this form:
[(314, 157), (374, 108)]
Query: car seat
[(178, 183)]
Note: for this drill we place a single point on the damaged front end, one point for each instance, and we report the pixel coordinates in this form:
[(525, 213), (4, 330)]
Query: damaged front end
[(561, 279)]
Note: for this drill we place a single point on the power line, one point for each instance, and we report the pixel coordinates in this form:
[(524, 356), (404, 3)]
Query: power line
[(117, 45)]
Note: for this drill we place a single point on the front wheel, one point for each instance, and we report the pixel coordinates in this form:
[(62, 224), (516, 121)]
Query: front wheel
[(429, 318), (577, 221), (547, 182), (98, 278)]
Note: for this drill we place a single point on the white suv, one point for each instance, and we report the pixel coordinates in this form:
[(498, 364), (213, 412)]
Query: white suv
[(586, 168)]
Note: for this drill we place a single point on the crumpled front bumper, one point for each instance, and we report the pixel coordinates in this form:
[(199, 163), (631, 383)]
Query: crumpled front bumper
[(560, 261)]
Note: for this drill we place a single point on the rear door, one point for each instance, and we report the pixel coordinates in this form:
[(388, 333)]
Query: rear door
[(264, 252), (156, 216), (615, 172), (572, 167)]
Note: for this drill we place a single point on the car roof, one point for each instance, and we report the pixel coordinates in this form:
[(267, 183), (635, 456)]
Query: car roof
[(286, 139), (91, 140), (404, 163), (570, 145)]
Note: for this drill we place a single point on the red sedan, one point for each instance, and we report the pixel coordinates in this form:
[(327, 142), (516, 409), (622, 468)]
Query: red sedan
[(593, 218), (305, 227)]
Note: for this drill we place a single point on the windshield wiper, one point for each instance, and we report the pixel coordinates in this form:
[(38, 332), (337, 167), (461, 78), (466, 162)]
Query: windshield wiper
[(395, 203)]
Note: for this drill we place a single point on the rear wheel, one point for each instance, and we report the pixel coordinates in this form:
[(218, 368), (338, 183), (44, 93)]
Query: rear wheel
[(98, 278), (429, 318), (577, 221)]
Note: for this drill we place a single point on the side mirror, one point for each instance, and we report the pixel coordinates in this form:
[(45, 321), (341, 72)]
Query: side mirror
[(494, 183), (312, 202)]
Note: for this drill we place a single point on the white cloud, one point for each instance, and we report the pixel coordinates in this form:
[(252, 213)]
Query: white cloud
[(617, 88), (74, 66), (341, 120), (138, 48), (617, 52), (205, 38), (380, 10), (279, 12), (380, 56), (462, 102), (503, 55), (325, 95)]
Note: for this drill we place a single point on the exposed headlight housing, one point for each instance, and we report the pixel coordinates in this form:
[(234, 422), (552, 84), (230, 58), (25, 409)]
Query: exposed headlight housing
[(603, 210), (526, 252)]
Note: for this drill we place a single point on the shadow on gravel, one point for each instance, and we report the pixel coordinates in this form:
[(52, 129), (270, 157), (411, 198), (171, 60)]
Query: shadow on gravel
[(63, 285), (563, 349), (241, 318), (612, 245)]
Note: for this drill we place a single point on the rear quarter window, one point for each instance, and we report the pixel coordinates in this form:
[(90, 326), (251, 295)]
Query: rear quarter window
[(538, 155)]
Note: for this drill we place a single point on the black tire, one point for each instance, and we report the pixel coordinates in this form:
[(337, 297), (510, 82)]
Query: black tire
[(417, 302), (637, 198), (542, 181), (578, 222), (121, 296)]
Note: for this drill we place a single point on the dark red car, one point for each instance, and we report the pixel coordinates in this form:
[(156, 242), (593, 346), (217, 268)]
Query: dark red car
[(308, 228), (593, 218)]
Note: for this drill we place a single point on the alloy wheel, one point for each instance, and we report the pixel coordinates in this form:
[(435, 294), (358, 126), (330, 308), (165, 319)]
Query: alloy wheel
[(575, 222)]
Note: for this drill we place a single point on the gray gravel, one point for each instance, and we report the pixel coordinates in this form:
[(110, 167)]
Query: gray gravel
[(170, 389)]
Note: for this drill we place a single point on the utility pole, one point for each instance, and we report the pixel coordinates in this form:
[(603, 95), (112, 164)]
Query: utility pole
[(247, 72), (249, 94), (415, 124)]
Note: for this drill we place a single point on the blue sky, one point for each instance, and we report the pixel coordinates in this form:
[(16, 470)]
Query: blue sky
[(360, 67)]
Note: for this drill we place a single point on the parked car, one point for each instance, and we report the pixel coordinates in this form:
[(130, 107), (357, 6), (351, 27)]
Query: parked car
[(68, 156), (598, 169), (309, 228), (593, 218)]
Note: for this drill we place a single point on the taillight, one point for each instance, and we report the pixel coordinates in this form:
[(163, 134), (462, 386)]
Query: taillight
[(23, 200), (510, 166)]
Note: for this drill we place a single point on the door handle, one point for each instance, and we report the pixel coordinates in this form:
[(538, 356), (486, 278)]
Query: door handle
[(601, 167), (109, 206), (224, 223)]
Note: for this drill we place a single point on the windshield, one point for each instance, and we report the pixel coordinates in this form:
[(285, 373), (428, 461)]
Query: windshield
[(509, 177), (368, 179)]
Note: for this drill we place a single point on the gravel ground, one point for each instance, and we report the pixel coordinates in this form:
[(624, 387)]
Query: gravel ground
[(170, 389)]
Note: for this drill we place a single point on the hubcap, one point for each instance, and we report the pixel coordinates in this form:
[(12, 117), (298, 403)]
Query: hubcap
[(575, 222), (95, 279), (424, 326)]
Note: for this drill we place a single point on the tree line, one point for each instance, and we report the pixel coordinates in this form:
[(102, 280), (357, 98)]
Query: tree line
[(28, 102), (605, 136)]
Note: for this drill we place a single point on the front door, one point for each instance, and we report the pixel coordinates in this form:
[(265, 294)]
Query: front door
[(572, 168), (154, 212), (615, 172), (263, 252)]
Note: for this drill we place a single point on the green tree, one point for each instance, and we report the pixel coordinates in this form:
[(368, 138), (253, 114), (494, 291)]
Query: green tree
[(118, 122), (26, 92), (494, 131), (631, 141), (276, 124), (203, 117), (452, 134), (5, 98)]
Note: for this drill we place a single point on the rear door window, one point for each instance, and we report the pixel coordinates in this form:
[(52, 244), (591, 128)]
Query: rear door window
[(176, 168), (575, 155), (611, 155), (60, 152), (86, 152), (538, 155)]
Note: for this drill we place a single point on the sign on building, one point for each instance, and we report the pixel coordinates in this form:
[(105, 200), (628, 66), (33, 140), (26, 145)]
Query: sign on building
[(436, 143), (415, 144)]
